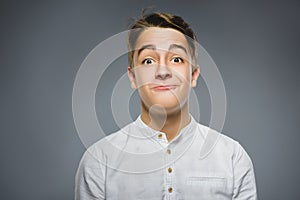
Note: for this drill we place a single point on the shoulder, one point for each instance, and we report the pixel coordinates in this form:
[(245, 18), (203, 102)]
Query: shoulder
[(115, 140), (222, 139), (215, 141)]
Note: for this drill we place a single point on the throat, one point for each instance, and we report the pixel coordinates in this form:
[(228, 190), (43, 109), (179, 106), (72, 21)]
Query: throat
[(169, 123)]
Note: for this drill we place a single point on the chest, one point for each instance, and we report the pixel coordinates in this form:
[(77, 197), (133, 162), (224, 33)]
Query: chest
[(185, 178)]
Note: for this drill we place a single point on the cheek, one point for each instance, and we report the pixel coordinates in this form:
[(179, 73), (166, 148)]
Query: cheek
[(144, 75), (183, 74), (142, 79)]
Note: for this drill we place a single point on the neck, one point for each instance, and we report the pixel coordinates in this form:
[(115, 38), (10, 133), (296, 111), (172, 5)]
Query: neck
[(170, 123)]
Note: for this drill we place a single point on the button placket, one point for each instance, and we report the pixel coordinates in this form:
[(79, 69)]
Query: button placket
[(162, 139), (169, 172)]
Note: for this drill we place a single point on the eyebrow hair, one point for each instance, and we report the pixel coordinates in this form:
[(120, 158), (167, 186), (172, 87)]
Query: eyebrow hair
[(177, 46), (152, 47), (147, 46)]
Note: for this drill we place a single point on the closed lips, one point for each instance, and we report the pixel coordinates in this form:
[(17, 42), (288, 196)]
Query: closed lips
[(164, 87), (163, 84)]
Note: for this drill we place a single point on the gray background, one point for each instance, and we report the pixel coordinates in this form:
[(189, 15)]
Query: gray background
[(254, 44)]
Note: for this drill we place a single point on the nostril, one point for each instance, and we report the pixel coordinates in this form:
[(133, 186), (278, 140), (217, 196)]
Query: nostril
[(163, 76)]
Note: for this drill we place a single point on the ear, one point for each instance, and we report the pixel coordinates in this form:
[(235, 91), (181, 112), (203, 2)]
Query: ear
[(195, 75), (131, 76)]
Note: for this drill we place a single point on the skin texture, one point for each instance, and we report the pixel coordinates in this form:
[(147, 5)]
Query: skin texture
[(163, 75)]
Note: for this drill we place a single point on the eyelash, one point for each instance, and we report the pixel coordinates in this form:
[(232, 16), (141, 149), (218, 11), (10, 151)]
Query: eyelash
[(181, 60), (149, 59), (145, 60)]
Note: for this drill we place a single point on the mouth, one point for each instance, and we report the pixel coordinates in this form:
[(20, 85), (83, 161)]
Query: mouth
[(164, 87)]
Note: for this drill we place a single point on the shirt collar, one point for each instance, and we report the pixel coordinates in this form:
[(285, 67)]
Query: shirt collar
[(151, 133)]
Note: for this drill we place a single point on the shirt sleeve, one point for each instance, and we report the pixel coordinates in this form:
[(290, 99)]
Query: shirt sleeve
[(90, 178), (244, 178)]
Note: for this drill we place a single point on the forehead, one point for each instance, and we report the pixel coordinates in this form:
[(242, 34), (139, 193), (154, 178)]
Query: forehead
[(161, 38)]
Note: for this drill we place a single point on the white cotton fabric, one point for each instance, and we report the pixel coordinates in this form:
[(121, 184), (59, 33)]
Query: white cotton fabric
[(138, 162)]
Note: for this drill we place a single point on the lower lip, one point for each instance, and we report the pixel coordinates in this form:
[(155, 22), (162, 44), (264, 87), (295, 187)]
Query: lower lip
[(164, 88)]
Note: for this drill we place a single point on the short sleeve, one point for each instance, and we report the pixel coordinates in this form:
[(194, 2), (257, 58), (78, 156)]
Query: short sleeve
[(244, 177), (90, 178)]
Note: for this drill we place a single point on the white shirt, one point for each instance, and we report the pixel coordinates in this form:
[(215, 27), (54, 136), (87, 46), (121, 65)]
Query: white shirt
[(137, 162)]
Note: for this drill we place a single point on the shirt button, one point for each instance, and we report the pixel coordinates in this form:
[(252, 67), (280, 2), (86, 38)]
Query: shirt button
[(160, 136), (170, 170), (168, 151), (170, 190)]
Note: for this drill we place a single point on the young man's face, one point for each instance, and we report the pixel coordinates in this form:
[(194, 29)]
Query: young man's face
[(162, 70)]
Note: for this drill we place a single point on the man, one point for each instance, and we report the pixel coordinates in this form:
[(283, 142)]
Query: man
[(158, 156)]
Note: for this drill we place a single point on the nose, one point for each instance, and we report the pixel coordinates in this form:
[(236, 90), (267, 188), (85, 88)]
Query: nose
[(163, 72)]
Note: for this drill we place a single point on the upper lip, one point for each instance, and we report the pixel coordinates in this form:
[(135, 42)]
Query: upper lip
[(163, 85)]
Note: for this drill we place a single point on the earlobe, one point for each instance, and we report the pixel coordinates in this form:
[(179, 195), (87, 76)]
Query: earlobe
[(195, 75), (131, 77)]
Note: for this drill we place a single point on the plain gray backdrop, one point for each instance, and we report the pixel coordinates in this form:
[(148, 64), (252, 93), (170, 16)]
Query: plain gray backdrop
[(255, 45)]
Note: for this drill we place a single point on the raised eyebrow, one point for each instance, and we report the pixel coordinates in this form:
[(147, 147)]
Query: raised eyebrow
[(177, 46), (147, 46)]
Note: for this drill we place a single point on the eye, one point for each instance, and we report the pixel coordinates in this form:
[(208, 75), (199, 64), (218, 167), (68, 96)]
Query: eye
[(148, 61), (177, 60)]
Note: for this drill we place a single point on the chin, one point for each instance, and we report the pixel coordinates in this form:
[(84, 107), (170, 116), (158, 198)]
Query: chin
[(164, 107)]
